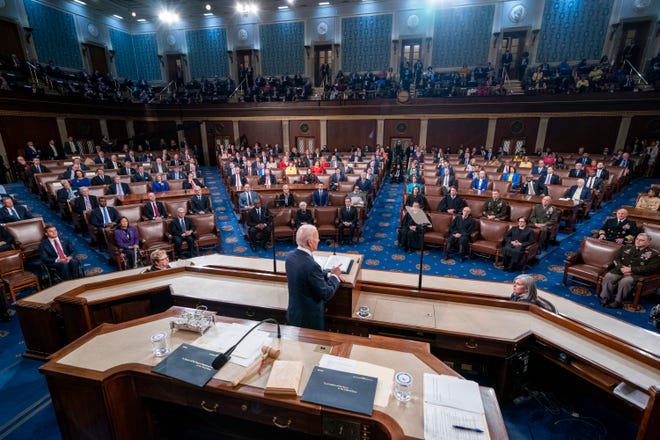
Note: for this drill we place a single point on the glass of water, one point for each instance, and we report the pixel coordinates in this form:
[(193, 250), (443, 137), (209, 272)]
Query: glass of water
[(160, 344), (403, 386)]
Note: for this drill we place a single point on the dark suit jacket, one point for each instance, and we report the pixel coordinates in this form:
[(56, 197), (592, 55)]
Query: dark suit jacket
[(364, 184), (539, 187), (586, 193), (171, 176), (348, 215), (98, 180), (33, 170), (47, 252), (148, 210), (137, 177), (452, 180), (320, 199), (63, 194), (597, 185), (124, 187), (79, 203), (575, 173), (96, 217), (262, 180), (630, 164), (175, 226), (124, 171), (197, 205), (604, 174), (286, 201), (554, 179), (613, 230), (6, 217), (309, 289), (154, 168), (69, 150), (457, 204), (253, 218), (187, 185)]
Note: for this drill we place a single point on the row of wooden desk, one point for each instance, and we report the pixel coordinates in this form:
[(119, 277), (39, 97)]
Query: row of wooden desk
[(454, 318)]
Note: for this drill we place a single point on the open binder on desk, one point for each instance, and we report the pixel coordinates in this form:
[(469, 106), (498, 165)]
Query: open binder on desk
[(453, 409), (327, 263)]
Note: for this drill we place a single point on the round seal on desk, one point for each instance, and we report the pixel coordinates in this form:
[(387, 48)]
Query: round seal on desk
[(322, 28), (517, 13), (91, 29)]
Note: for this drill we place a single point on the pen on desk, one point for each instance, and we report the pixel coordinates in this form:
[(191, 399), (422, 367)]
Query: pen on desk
[(465, 428)]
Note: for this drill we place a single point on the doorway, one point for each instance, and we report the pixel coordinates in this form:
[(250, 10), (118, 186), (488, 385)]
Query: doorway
[(97, 57), (633, 43), (515, 43), (10, 43), (245, 72), (175, 69), (305, 143), (323, 58)]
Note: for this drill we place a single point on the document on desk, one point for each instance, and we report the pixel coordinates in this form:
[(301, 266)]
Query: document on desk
[(342, 390), (327, 263), (385, 375), (222, 337), (453, 409)]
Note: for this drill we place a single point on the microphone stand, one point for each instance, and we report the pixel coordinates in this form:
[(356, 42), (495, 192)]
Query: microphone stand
[(271, 221), (223, 358)]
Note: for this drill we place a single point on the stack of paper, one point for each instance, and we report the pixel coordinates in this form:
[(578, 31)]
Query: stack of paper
[(453, 409), (223, 336), (284, 378)]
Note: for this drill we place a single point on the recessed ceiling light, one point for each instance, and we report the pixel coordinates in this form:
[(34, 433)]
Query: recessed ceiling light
[(142, 20), (282, 7), (118, 17), (168, 16), (208, 6), (324, 3), (133, 14), (208, 14), (80, 2)]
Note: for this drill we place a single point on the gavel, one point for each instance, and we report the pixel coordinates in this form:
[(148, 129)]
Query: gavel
[(267, 351)]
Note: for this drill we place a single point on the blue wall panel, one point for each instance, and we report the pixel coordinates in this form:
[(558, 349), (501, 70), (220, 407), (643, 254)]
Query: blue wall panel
[(462, 36), (366, 43), (122, 44), (282, 48), (146, 55), (54, 34), (573, 29), (207, 53)]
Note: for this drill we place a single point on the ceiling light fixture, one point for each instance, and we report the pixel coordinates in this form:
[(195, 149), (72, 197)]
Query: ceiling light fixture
[(118, 17), (282, 7), (324, 3), (246, 8), (208, 14), (142, 20), (80, 2), (168, 17), (207, 7), (133, 14)]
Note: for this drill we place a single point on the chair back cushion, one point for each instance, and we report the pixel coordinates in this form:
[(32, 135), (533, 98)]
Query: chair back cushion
[(325, 216), (152, 232), (204, 224), (520, 210), (476, 206), (653, 232), (492, 230), (27, 235), (282, 217), (172, 206), (11, 261), (131, 212), (440, 222), (175, 185), (599, 253)]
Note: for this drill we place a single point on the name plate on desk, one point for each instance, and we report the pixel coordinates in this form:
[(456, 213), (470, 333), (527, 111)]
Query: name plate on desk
[(338, 389), (188, 363)]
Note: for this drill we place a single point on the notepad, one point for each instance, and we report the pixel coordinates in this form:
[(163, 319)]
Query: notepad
[(449, 402)]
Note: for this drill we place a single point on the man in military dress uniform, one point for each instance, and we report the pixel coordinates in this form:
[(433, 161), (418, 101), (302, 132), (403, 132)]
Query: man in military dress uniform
[(496, 208), (618, 229), (630, 263), (544, 216)]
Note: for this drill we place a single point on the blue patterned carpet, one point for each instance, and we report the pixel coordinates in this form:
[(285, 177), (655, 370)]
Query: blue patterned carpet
[(29, 414)]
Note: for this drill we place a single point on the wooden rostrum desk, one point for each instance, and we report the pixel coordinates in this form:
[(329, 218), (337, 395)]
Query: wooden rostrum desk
[(463, 321), (102, 387)]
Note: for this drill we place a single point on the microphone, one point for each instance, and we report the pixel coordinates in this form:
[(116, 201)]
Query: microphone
[(223, 358)]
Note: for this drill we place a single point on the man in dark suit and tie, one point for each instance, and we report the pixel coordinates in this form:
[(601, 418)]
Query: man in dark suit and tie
[(258, 223), (64, 194), (158, 167), (84, 201), (601, 172), (579, 192), (58, 252), (336, 178), (348, 218), (533, 187), (103, 216), (200, 203), (141, 175), (310, 288), (618, 229), (126, 170), (101, 178), (320, 196), (119, 188), (459, 233), (175, 174), (539, 169), (154, 209), (577, 171), (364, 183), (267, 179), (550, 178), (31, 151), (452, 203), (12, 213), (625, 162), (182, 229)]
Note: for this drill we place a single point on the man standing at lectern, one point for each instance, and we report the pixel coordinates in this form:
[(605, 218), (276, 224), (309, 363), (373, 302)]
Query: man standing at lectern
[(309, 286)]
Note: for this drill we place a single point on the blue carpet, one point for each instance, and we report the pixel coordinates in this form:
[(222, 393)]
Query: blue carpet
[(29, 412)]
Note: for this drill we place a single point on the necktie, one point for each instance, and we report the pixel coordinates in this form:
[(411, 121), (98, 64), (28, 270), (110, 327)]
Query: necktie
[(199, 198), (88, 205), (155, 209), (623, 163), (71, 194), (598, 173), (547, 179), (590, 182), (259, 213), (531, 189), (38, 169), (446, 183), (480, 182), (238, 183), (106, 217), (58, 248), (120, 192), (13, 210), (249, 199)]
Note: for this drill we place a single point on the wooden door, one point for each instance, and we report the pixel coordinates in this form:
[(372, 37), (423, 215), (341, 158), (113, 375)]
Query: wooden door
[(243, 61), (97, 58), (633, 43), (175, 68), (514, 42), (10, 43), (305, 143), (323, 55)]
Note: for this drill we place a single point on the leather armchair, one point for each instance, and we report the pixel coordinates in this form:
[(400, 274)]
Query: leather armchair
[(283, 224), (172, 206), (591, 261), (326, 221), (489, 238), (439, 232), (27, 236), (154, 235), (206, 231), (132, 212)]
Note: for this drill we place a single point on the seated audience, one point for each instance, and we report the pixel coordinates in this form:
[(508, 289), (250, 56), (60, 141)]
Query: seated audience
[(544, 217), (304, 216), (496, 208), (650, 201), (182, 229), (128, 240), (160, 185), (459, 234), (516, 240), (410, 235), (200, 203), (618, 229), (452, 203), (58, 253), (153, 209), (10, 213), (259, 226)]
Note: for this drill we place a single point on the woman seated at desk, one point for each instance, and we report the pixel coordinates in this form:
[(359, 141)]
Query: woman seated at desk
[(524, 290), (128, 241), (160, 185), (513, 177), (650, 201), (159, 261)]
